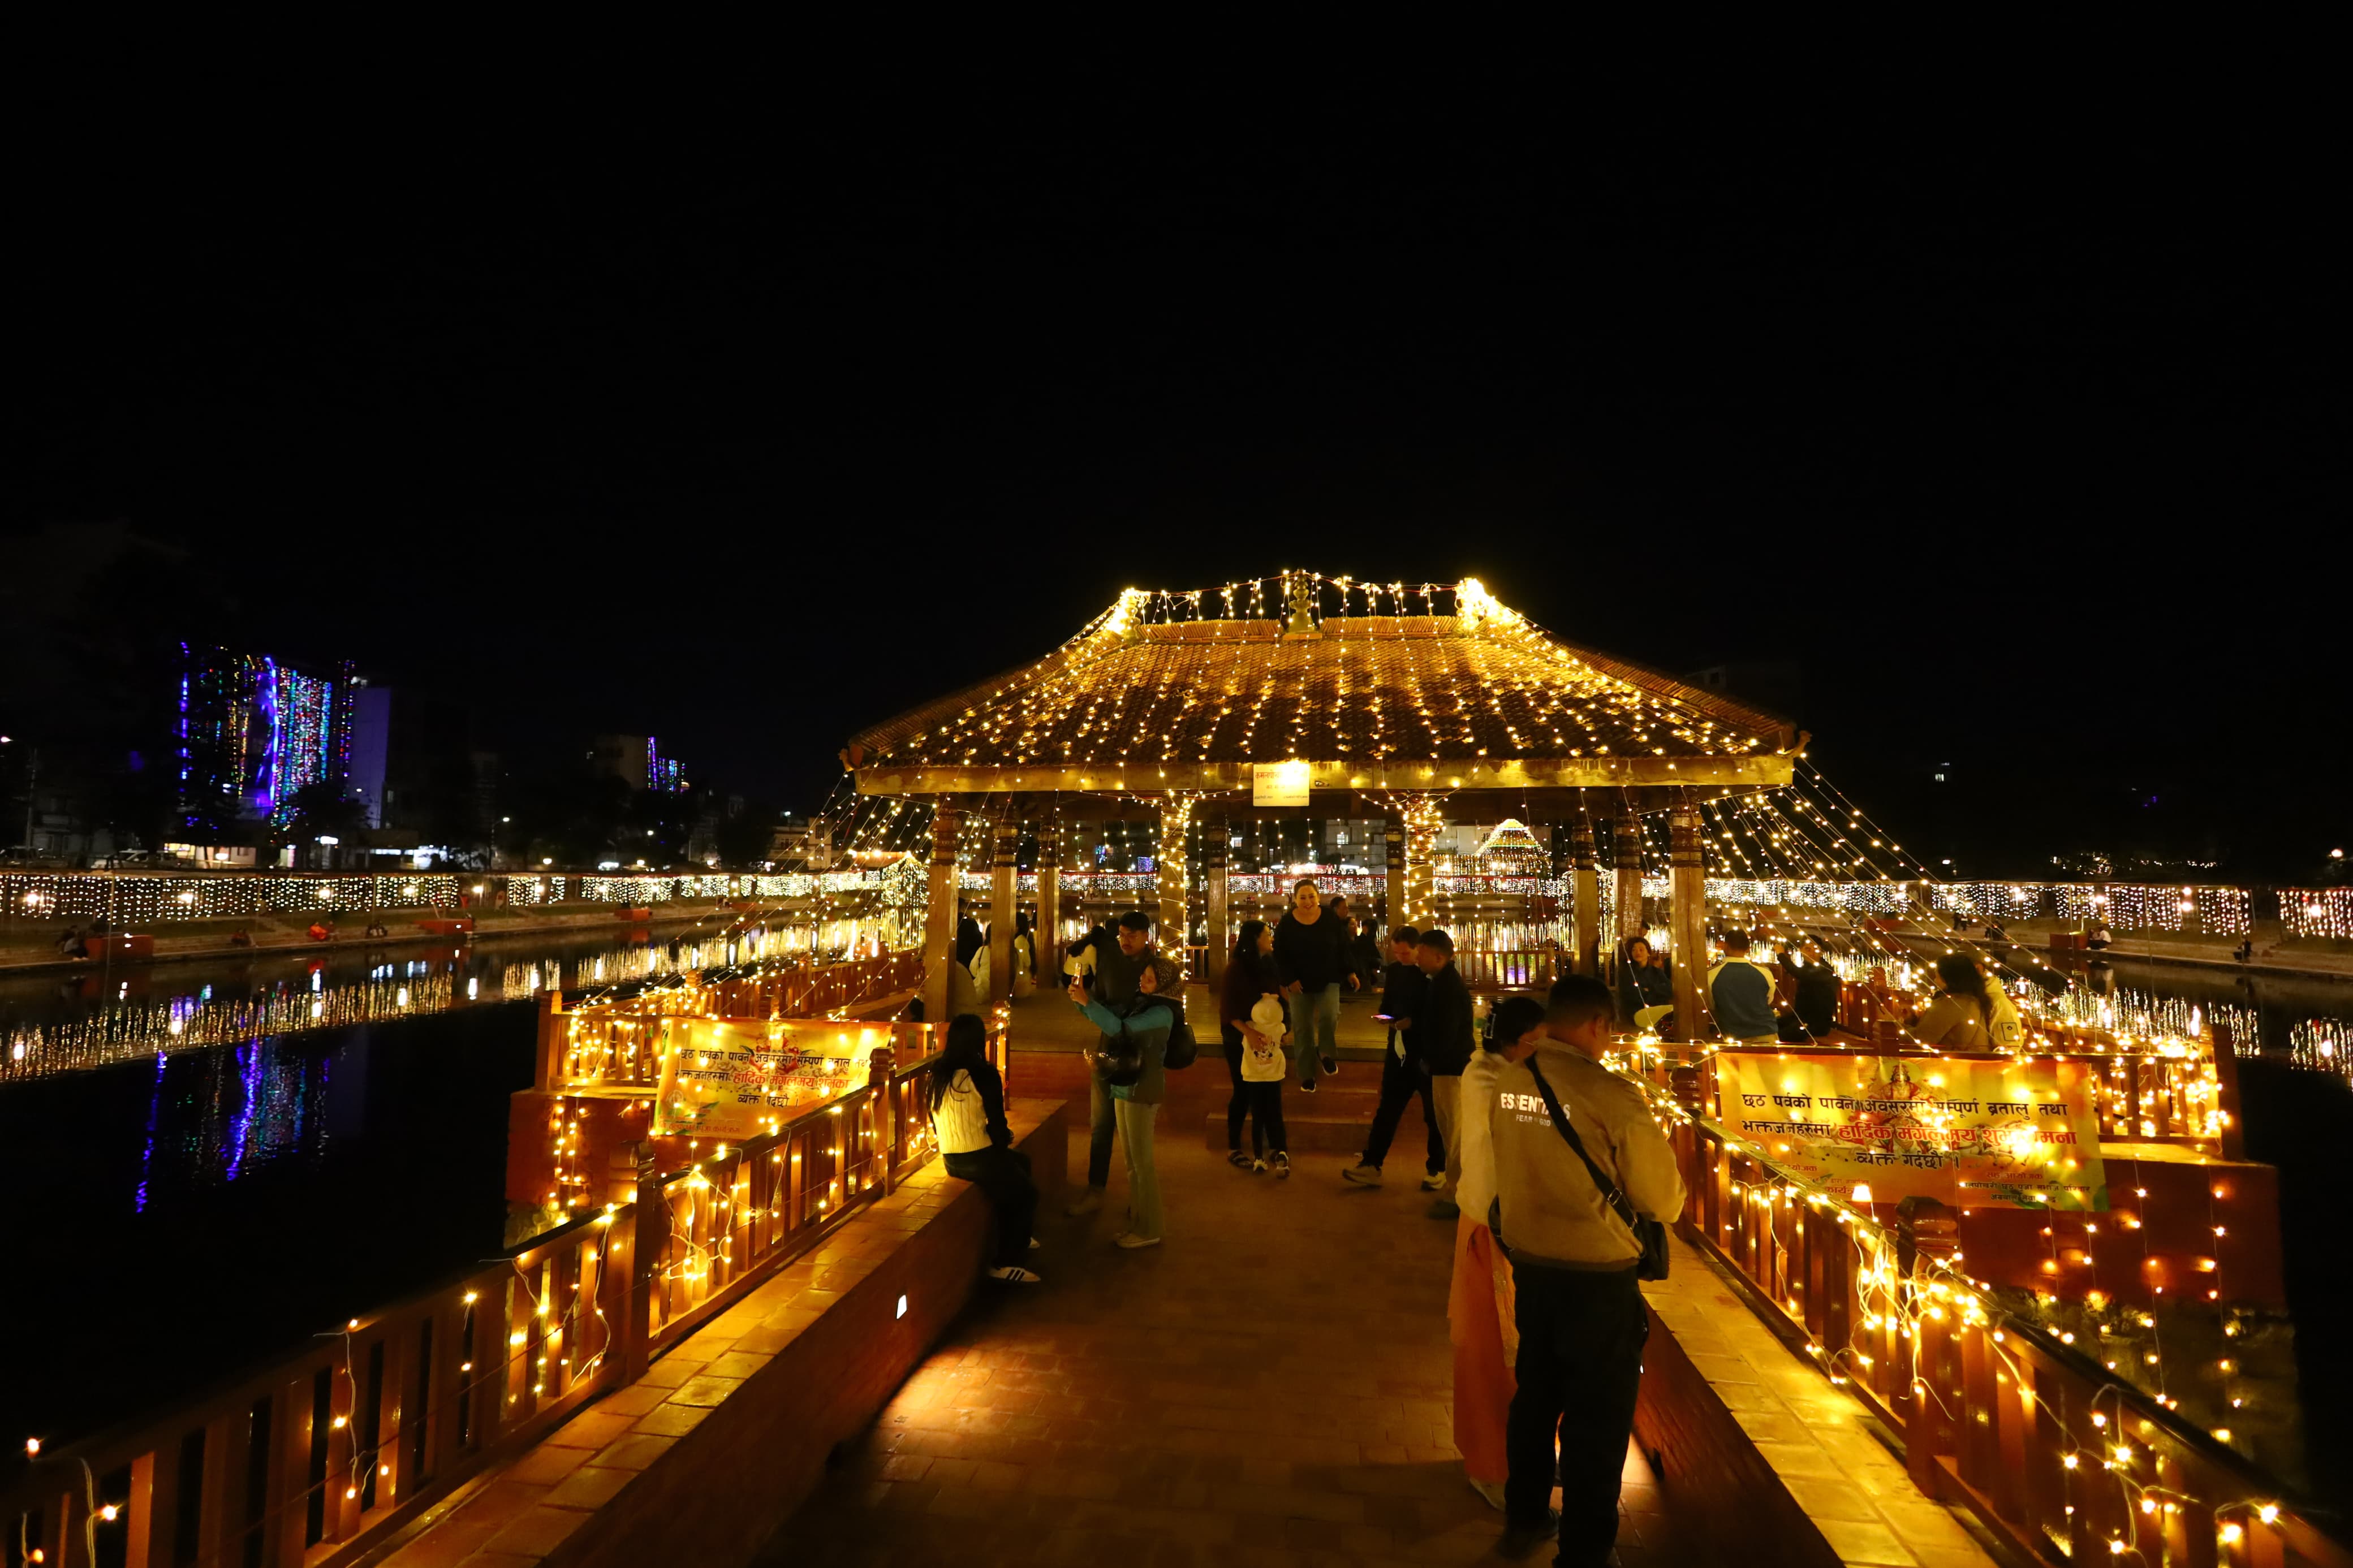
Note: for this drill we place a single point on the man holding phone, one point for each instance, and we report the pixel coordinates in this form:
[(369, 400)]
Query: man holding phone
[(1403, 1072), (1115, 971)]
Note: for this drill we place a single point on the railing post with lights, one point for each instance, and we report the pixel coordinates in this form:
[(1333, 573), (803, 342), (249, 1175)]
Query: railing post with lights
[(1626, 857), (1688, 914), (1003, 902), (1924, 1228), (1047, 939), (940, 909), (1215, 859), (630, 1279), (1585, 909)]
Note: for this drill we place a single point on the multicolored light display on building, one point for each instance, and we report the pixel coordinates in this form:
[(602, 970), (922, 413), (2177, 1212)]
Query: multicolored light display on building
[(253, 731)]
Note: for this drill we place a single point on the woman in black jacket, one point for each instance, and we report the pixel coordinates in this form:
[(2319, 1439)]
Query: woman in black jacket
[(1311, 957)]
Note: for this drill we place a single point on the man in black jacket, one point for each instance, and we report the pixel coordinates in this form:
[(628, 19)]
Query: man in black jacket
[(1403, 1074), (1444, 1038)]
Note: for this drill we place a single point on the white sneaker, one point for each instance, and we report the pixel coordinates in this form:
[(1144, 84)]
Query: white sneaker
[(1035, 1244), (1258, 1167), (1014, 1274), (1364, 1176), (1132, 1240), (1492, 1492), (1086, 1202), (1433, 1182)]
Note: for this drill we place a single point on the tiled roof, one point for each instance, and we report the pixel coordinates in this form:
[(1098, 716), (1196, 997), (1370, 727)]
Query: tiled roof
[(1363, 691)]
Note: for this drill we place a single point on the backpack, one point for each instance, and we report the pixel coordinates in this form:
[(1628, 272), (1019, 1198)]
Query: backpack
[(1182, 1050)]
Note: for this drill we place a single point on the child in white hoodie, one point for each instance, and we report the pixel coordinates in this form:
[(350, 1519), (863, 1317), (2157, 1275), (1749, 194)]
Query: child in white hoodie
[(1262, 1075)]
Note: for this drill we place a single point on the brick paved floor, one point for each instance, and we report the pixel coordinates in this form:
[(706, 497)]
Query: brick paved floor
[(1270, 1386)]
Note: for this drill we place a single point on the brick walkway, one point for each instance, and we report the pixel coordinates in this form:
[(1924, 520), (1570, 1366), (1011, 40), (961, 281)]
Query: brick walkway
[(1270, 1386)]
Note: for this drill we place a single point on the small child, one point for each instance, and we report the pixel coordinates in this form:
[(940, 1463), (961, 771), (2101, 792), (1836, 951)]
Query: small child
[(1262, 1075)]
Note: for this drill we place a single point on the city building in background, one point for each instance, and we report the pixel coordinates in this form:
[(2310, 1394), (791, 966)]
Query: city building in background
[(253, 731)]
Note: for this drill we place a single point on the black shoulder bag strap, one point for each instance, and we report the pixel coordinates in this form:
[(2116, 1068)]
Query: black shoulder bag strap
[(1649, 1235), (1610, 1193)]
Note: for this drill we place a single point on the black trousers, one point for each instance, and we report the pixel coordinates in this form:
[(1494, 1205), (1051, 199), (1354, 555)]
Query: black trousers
[(1400, 1081), (1266, 1117), (1003, 1177), (1579, 1370), (1238, 1105)]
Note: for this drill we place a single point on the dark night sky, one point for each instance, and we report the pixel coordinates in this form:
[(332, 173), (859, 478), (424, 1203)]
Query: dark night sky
[(2031, 449)]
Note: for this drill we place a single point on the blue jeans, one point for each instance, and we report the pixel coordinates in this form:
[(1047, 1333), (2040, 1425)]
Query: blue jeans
[(1318, 1034)]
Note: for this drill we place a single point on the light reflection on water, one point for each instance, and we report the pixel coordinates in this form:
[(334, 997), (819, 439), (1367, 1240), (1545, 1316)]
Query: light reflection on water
[(84, 1020)]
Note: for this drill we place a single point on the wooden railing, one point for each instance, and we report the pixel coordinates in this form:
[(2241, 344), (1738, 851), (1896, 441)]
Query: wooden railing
[(1508, 969), (315, 1459), (2064, 1461), (618, 1042)]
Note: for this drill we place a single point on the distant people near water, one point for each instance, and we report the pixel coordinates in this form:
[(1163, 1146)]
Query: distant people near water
[(2099, 936), (1444, 1036), (1249, 978), (972, 957), (321, 931), (1132, 1064), (69, 945), (1958, 1016), (240, 938), (1740, 994), (1025, 957), (1311, 955), (1646, 989), (1404, 1073), (1813, 1005), (967, 1105), (2245, 951)]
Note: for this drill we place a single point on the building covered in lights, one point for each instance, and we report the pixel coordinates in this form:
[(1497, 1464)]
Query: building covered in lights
[(253, 730)]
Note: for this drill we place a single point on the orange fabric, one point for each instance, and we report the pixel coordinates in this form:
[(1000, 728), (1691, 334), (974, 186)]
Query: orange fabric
[(1478, 1310)]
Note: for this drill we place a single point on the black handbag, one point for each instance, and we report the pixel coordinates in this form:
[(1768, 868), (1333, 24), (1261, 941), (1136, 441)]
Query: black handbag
[(1650, 1235)]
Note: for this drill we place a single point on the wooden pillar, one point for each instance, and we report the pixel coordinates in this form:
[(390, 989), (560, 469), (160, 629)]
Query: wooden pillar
[(1172, 880), (1626, 855), (1215, 856), (1585, 892), (940, 910), (1046, 939), (1004, 903), (1423, 822), (1688, 923)]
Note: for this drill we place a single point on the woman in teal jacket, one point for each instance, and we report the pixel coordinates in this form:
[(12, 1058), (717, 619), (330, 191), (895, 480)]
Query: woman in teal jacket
[(1155, 1008)]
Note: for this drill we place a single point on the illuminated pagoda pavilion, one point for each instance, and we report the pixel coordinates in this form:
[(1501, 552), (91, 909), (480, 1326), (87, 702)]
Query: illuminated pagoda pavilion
[(1513, 851), (1319, 697)]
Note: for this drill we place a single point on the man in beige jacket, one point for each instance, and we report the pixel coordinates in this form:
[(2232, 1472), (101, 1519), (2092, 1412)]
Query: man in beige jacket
[(1579, 1312)]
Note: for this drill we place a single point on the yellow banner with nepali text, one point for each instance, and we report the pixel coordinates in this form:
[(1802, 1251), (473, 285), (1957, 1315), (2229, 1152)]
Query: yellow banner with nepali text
[(1975, 1132)]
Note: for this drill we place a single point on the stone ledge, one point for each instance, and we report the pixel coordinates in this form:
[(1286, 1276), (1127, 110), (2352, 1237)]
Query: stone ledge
[(1763, 1457), (709, 1455)]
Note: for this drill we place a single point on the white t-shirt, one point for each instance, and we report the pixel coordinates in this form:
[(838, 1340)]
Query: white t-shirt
[(1262, 1059)]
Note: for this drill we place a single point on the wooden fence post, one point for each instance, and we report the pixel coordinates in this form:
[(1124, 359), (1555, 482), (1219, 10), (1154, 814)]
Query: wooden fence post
[(648, 1228)]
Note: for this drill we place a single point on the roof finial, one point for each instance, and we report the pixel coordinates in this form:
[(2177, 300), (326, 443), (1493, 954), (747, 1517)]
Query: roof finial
[(1300, 591)]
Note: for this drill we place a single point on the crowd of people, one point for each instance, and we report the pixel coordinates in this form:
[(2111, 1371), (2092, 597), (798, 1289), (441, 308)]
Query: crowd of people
[(1549, 1165)]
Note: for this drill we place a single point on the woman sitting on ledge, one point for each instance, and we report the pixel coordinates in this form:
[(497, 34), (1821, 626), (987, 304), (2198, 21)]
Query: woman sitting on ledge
[(967, 1101)]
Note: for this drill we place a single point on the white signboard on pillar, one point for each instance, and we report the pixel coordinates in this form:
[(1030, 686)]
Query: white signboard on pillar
[(1279, 784)]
